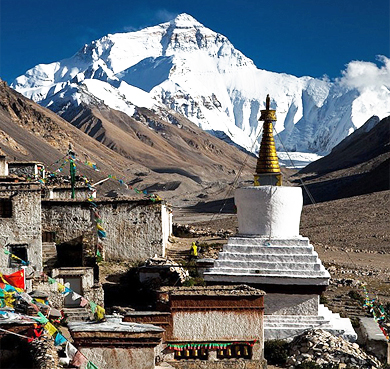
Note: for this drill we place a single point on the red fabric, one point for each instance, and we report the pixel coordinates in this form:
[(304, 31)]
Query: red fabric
[(34, 332), (15, 279), (79, 359)]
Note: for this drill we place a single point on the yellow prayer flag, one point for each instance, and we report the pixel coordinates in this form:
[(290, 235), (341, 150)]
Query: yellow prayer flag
[(50, 328), (99, 312), (9, 299), (61, 287)]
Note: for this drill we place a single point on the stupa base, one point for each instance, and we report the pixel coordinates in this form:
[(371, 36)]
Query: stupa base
[(286, 327)]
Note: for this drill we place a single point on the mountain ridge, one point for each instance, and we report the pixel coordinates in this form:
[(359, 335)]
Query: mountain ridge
[(171, 156), (198, 73)]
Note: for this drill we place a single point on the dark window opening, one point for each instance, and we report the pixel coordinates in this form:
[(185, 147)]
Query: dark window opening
[(48, 236), (191, 354), (235, 351), (70, 255), (20, 251), (5, 208)]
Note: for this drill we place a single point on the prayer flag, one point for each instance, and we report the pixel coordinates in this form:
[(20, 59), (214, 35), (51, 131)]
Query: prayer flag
[(51, 280), (59, 339), (70, 351), (61, 287), (75, 296), (83, 302), (79, 359), (41, 318), (99, 313), (92, 306), (50, 328), (91, 365), (99, 257), (26, 297), (15, 279)]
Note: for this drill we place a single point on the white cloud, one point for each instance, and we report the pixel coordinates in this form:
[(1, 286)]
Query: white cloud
[(151, 19), (366, 75), (164, 15)]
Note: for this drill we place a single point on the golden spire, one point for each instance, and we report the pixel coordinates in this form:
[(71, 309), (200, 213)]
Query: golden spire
[(267, 168)]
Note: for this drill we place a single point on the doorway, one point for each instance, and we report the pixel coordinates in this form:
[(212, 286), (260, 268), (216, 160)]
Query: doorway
[(74, 285)]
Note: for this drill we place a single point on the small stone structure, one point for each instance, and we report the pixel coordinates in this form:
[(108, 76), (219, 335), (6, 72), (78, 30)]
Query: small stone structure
[(214, 327), (115, 344), (372, 339)]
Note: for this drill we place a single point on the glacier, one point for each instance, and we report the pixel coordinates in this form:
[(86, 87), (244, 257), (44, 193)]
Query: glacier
[(184, 66)]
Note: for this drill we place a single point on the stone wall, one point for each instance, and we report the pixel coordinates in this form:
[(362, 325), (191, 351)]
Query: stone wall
[(136, 229), (291, 304), (120, 358), (215, 325), (24, 226), (23, 170)]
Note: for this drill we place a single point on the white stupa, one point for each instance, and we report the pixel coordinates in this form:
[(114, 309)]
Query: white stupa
[(269, 253)]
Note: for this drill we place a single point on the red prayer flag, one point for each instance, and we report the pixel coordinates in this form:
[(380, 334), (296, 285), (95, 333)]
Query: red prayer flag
[(79, 359), (16, 279)]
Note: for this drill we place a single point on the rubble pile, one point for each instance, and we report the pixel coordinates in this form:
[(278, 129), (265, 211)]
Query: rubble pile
[(174, 267), (187, 231), (322, 347)]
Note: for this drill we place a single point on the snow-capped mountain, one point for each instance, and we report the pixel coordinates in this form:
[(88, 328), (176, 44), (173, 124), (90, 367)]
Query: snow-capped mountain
[(197, 72)]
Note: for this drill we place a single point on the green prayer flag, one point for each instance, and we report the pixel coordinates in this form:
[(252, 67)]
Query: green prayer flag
[(51, 280), (93, 306), (91, 365), (41, 318), (99, 257), (6, 252)]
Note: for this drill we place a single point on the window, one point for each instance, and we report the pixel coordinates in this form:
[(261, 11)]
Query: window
[(20, 251), (5, 208), (48, 236)]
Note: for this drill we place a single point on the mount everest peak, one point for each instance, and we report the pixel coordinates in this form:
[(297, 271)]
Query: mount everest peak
[(186, 67)]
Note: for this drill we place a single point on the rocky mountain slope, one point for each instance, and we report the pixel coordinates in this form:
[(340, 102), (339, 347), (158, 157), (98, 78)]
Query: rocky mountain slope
[(184, 66), (360, 164), (171, 156)]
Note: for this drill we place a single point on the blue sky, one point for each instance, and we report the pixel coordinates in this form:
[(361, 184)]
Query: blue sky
[(299, 37)]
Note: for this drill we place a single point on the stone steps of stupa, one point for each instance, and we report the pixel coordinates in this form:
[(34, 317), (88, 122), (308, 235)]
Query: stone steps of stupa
[(262, 249), (295, 258), (266, 265), (245, 240), (294, 273), (288, 326), (272, 319)]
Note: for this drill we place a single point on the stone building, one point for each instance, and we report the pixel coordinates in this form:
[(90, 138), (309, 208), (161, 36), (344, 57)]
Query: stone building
[(137, 229), (42, 226), (114, 344), (210, 327), (20, 224)]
